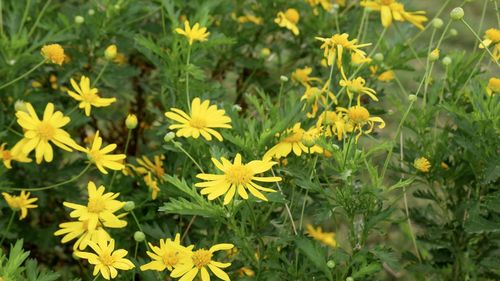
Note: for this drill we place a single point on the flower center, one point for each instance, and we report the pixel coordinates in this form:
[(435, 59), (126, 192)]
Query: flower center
[(358, 114), (197, 122), (292, 15), (94, 155), (239, 174), (296, 137), (46, 131), (171, 258), (201, 258), (96, 205), (493, 34), (89, 96), (106, 259), (16, 203), (6, 155)]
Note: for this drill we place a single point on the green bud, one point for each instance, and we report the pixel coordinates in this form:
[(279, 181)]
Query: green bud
[(79, 19), (412, 98), (129, 206), (131, 121), (139, 236), (265, 52), (446, 60), (453, 32), (330, 264), (111, 52), (169, 136), (437, 23), (378, 57), (91, 12), (457, 13), (349, 279), (283, 78)]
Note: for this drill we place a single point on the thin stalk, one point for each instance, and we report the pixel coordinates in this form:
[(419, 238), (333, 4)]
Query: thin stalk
[(188, 98), (496, 9), (95, 278), (9, 224), (483, 13), (40, 15), (1, 18), (286, 206), (25, 15), (139, 227), (176, 144), (479, 39), (280, 94), (100, 73), (188, 227), (429, 24), (129, 135), (23, 75), (53, 185), (361, 24)]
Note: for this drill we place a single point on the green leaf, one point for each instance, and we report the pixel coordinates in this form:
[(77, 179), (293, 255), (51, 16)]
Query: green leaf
[(315, 255)]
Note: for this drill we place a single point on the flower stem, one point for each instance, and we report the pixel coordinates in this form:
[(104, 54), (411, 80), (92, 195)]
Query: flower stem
[(100, 74), (53, 185), (139, 227), (129, 134), (188, 98), (286, 206), (40, 15), (23, 75), (178, 145), (479, 39), (8, 227)]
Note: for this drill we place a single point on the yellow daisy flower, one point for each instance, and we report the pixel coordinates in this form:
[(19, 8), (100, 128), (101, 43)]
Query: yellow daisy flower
[(357, 86), (291, 142), (492, 37), (100, 208), (20, 203), (203, 118), (101, 157), (250, 18), (237, 176), (334, 122), (54, 53), (193, 34), (422, 164), (88, 96), (288, 20), (333, 48), (38, 133), (392, 9), (358, 59), (327, 238), (302, 76), (386, 76), (154, 167), (106, 259), (201, 260), (80, 230), (168, 255), (325, 4), (358, 118), (493, 86), (316, 97), (15, 154), (152, 185)]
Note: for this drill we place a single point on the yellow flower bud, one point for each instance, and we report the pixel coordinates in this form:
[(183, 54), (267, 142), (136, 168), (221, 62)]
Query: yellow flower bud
[(110, 52), (131, 121)]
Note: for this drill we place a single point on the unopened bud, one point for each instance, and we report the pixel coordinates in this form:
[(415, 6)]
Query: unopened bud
[(110, 52), (283, 78), (453, 32), (412, 98), (169, 136), (265, 52), (139, 236), (129, 206), (378, 57), (446, 60), (434, 55), (457, 13), (437, 23), (330, 264), (20, 105), (91, 12), (131, 121), (79, 19)]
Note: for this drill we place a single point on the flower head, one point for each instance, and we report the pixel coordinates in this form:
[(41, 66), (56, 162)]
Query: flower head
[(250, 18), (493, 86), (292, 141), (88, 96), (333, 48), (492, 37), (236, 177), (20, 203), (359, 119), (53, 53), (80, 230), (204, 117), (386, 76), (15, 154), (106, 259), (288, 20), (101, 157), (200, 261), (99, 209), (392, 9), (357, 86), (334, 123), (327, 238), (301, 75), (38, 133), (168, 255), (154, 167), (193, 34), (422, 164), (152, 184)]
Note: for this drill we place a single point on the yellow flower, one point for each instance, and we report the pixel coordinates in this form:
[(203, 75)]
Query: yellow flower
[(193, 34), (131, 121), (316, 96), (250, 18), (203, 118), (358, 118), (38, 133), (334, 122), (15, 154), (53, 53), (111, 52), (292, 142), (88, 96), (288, 20), (357, 86), (301, 75), (246, 271), (80, 230), (106, 259), (422, 164), (386, 76), (152, 185), (392, 9), (492, 37), (325, 4), (237, 176), (493, 86), (327, 238), (101, 157), (147, 166), (358, 59), (200, 260), (20, 203), (168, 255), (100, 208), (334, 47)]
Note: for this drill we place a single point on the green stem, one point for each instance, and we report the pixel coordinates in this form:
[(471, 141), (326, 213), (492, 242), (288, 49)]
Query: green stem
[(361, 24), (178, 145), (286, 206), (100, 73), (53, 185), (15, 132), (139, 227), (95, 278), (479, 39), (40, 15), (1, 18), (129, 134), (25, 15), (8, 227), (428, 24), (23, 75), (279, 95), (483, 14), (188, 98)]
